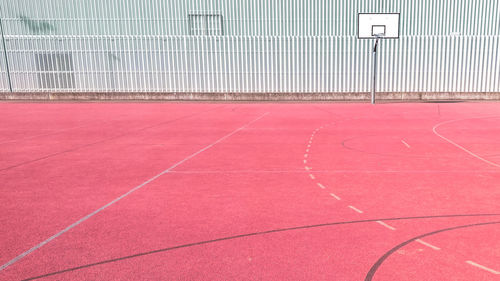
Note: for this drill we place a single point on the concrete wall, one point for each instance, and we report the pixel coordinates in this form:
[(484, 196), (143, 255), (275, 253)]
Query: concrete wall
[(246, 97)]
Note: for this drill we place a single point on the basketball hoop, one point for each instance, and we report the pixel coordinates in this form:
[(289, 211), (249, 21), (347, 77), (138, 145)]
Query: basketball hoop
[(377, 26)]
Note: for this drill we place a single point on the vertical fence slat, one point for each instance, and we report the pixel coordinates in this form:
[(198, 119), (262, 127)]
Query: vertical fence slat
[(259, 46)]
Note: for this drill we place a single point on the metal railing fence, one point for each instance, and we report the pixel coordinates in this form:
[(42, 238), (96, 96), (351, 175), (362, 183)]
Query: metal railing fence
[(249, 46)]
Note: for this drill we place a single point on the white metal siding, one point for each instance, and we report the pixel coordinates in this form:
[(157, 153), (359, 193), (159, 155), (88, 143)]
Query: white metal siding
[(267, 46)]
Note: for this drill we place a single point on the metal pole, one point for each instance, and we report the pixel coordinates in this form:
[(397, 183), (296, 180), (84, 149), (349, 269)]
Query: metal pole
[(5, 54), (374, 81)]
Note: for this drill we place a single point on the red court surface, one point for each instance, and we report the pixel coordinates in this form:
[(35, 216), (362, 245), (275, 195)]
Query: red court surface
[(152, 191)]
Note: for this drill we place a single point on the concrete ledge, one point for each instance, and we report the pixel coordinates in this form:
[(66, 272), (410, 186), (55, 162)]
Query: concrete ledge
[(138, 96)]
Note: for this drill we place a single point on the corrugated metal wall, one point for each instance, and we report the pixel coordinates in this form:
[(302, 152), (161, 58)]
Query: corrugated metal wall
[(260, 46)]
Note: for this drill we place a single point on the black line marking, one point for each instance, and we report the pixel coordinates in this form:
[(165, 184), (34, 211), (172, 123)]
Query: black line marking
[(55, 132), (104, 140), (381, 260), (250, 235)]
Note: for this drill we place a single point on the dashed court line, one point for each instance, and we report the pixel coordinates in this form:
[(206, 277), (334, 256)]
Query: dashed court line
[(334, 196), (386, 225), (427, 244), (356, 209), (406, 144), (391, 227), (483, 267)]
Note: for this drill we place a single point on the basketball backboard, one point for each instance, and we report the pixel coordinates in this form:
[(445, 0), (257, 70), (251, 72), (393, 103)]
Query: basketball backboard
[(383, 25)]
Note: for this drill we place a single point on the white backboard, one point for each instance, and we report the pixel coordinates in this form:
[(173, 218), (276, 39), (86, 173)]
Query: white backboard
[(386, 25)]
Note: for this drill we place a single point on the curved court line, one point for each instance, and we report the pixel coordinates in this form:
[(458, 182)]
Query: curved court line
[(126, 194), (381, 260), (374, 268), (461, 147), (250, 235), (102, 141)]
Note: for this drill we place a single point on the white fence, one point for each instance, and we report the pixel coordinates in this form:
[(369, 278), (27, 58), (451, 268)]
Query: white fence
[(251, 64), (250, 46)]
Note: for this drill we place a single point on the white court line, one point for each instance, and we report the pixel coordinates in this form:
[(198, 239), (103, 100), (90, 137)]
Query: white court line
[(356, 209), (312, 176), (320, 185), (461, 147), (307, 168), (407, 145), (335, 196), (14, 260), (483, 267), (305, 161), (427, 244), (305, 155), (386, 225)]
